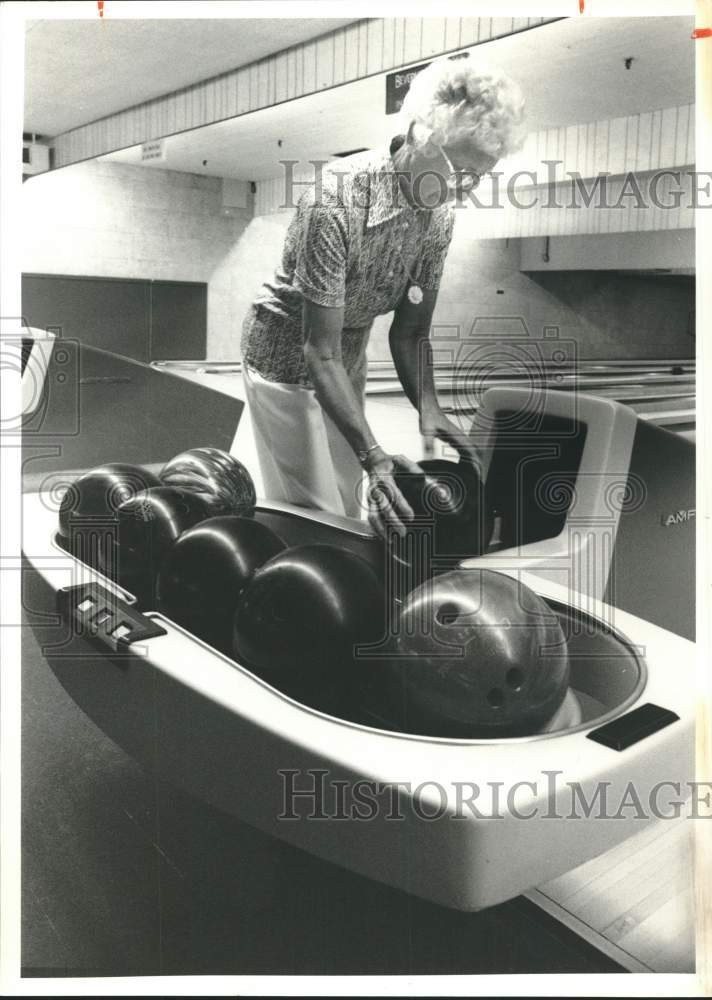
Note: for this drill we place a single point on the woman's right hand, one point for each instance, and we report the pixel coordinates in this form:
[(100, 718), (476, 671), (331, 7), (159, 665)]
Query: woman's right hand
[(388, 509)]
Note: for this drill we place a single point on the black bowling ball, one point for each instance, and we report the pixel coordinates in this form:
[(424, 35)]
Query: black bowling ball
[(148, 525), (88, 511), (451, 521), (206, 570), (301, 618)]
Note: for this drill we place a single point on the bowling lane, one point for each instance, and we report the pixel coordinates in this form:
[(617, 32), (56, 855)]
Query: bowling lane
[(634, 897), (664, 399), (452, 383)]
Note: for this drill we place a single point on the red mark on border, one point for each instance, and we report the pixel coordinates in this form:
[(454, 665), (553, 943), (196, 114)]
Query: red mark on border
[(702, 33), (100, 5), (582, 4)]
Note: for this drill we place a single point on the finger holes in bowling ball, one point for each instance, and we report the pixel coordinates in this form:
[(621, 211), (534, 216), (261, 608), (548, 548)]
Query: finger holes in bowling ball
[(447, 614), (495, 698), (494, 681), (515, 678)]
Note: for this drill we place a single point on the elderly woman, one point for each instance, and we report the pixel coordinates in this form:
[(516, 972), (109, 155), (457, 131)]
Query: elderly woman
[(370, 239)]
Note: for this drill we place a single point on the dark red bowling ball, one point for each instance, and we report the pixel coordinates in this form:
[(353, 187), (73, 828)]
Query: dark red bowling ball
[(302, 615), (148, 525), (450, 521), (480, 655), (218, 477), (88, 511), (206, 570)]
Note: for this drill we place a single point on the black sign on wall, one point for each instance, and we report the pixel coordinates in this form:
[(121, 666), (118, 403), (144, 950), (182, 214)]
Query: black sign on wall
[(398, 85)]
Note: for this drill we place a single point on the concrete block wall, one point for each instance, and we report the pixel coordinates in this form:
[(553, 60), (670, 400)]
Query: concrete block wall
[(121, 221), (116, 220), (606, 315), (251, 260), (602, 314)]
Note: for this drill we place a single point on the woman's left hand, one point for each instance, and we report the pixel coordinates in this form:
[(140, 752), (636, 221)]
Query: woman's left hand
[(438, 425)]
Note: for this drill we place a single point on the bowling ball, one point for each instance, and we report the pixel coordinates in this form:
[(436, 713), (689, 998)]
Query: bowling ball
[(450, 520), (207, 569), (148, 525), (88, 511), (219, 478), (301, 616), (479, 655)]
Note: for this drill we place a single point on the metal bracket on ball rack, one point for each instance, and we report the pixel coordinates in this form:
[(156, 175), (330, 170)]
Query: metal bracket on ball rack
[(101, 616)]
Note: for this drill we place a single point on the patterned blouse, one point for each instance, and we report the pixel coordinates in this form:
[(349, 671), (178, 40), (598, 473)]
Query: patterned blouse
[(357, 244)]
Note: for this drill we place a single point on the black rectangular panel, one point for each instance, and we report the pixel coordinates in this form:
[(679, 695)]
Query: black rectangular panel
[(398, 85), (532, 477), (653, 567), (135, 318), (179, 320), (110, 313), (633, 726)]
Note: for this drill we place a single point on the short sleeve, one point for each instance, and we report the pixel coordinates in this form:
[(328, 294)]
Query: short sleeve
[(435, 248), (321, 251)]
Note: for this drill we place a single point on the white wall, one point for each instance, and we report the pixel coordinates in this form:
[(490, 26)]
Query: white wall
[(251, 260), (666, 248), (121, 221), (116, 220)]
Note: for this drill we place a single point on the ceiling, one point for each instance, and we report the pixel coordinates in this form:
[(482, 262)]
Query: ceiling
[(78, 71), (571, 71)]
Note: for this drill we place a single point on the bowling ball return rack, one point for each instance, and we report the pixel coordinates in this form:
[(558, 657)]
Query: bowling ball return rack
[(201, 721)]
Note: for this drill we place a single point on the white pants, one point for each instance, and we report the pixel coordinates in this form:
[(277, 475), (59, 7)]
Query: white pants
[(304, 458)]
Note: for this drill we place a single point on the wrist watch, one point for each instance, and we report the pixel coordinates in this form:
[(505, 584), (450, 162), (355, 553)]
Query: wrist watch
[(362, 455)]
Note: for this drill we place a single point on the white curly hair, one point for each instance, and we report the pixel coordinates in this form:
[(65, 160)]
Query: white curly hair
[(461, 99)]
